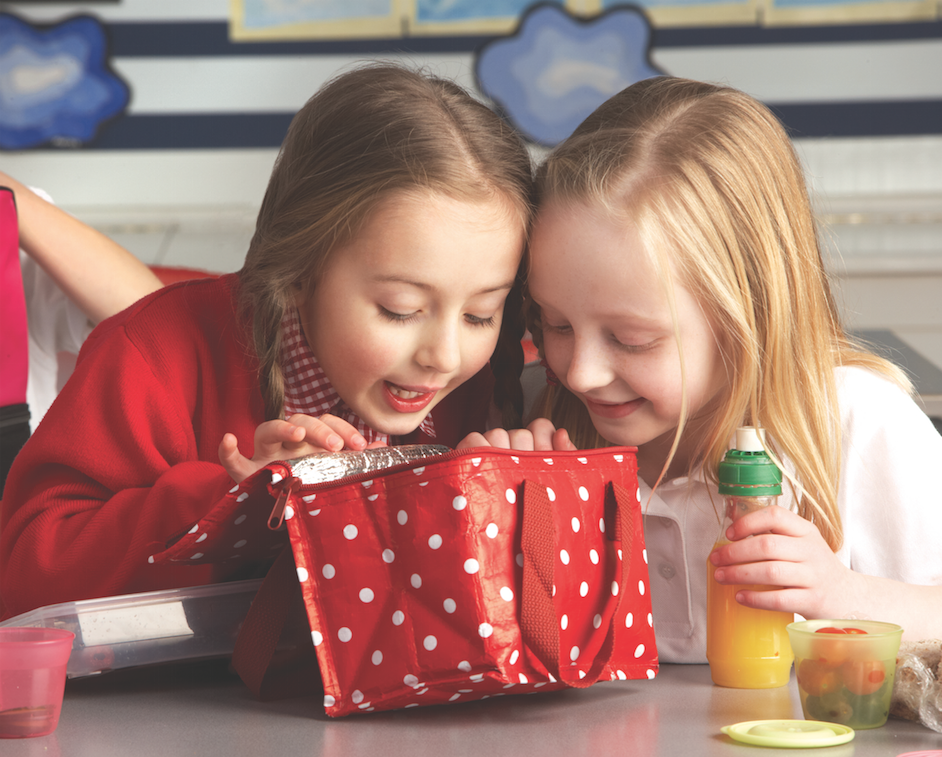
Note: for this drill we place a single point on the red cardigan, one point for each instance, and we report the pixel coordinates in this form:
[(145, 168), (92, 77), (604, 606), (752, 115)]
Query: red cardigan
[(127, 456)]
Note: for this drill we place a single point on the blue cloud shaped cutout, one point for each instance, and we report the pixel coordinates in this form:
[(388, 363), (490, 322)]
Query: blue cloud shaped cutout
[(55, 83), (556, 69)]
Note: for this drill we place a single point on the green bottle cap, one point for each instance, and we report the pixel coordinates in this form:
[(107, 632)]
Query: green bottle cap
[(747, 470)]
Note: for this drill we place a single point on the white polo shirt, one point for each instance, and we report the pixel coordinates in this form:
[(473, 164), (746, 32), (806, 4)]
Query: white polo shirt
[(890, 501)]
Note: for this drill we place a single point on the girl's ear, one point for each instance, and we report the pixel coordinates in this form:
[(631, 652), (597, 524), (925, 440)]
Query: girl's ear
[(298, 294)]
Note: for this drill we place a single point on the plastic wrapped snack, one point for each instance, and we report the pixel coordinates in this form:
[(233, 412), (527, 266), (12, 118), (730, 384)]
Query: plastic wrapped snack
[(333, 466), (917, 689)]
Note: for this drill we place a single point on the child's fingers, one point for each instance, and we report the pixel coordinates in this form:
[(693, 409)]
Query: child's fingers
[(517, 438), (329, 432), (228, 450), (522, 439), (771, 573), (473, 440), (787, 553), (497, 437), (541, 435), (236, 465), (769, 520), (352, 438), (561, 441), (271, 436), (762, 548), (504, 439), (549, 438), (780, 600), (542, 431)]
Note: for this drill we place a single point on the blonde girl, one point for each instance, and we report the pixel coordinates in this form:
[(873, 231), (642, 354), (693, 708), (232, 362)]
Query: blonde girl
[(678, 291), (371, 301)]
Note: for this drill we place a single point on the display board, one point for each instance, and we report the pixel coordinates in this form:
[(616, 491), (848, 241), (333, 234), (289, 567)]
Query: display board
[(364, 19)]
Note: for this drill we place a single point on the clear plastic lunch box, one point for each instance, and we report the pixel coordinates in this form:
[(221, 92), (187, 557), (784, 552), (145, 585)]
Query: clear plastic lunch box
[(132, 630)]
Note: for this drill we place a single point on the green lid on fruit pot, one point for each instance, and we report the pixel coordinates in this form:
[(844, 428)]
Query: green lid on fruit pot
[(792, 734), (747, 470)]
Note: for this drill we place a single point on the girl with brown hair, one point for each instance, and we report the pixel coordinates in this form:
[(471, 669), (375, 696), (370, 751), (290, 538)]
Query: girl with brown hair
[(381, 280)]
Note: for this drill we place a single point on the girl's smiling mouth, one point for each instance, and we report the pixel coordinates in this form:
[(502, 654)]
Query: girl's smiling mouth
[(404, 400), (613, 410)]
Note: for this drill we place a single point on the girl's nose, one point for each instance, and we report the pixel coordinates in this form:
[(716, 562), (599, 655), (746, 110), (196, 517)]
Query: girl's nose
[(589, 367), (440, 349)]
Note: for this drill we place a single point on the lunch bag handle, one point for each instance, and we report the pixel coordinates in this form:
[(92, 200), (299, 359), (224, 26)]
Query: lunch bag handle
[(273, 653), (538, 621)]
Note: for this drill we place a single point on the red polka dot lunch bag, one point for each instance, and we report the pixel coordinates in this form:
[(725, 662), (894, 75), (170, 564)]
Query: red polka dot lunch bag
[(431, 576)]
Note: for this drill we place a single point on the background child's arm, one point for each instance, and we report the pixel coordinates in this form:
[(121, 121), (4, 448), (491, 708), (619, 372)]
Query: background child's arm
[(787, 551), (96, 273)]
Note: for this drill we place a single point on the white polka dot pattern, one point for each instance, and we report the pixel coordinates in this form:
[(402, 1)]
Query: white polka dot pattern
[(414, 582)]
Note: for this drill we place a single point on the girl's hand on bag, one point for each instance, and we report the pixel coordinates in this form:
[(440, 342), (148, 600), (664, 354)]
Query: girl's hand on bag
[(279, 440), (788, 552), (540, 435)]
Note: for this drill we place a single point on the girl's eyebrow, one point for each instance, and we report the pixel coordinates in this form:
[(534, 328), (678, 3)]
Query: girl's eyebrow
[(622, 316), (393, 279), (637, 318)]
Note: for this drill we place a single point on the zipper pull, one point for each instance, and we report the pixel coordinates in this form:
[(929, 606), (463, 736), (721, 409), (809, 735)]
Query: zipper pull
[(277, 518)]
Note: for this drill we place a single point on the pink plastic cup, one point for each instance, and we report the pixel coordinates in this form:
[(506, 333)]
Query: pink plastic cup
[(32, 680)]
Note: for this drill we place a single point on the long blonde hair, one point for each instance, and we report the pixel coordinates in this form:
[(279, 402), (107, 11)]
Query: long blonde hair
[(710, 179), (370, 132)]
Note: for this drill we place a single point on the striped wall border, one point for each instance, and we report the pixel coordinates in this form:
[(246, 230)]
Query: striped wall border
[(266, 130), (211, 38)]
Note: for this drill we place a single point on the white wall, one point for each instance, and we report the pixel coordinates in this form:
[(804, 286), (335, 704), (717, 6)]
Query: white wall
[(883, 196)]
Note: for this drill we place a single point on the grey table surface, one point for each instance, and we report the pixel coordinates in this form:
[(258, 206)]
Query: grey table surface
[(202, 709)]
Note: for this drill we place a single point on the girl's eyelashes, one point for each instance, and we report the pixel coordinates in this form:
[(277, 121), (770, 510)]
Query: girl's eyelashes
[(563, 328), (634, 348), (389, 315), (473, 320), (476, 320)]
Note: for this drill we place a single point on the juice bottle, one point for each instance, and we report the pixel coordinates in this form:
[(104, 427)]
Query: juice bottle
[(746, 648)]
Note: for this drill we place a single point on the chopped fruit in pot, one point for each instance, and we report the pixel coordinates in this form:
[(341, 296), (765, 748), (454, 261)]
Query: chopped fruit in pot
[(871, 709), (829, 652), (865, 677), (831, 707), (818, 679)]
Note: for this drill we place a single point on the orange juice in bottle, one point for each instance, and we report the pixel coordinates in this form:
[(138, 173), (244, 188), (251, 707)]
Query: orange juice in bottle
[(746, 648)]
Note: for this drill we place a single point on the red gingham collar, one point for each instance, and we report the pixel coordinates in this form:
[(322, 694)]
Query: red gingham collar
[(309, 391)]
